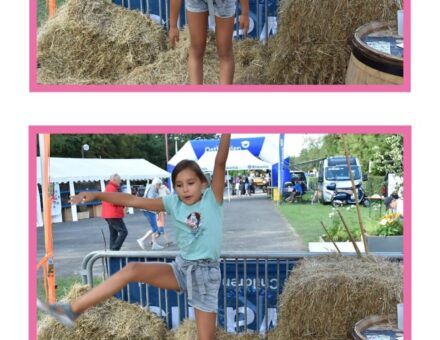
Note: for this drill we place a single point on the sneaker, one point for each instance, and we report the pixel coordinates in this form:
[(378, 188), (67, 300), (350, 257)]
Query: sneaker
[(141, 243), (156, 246), (61, 312)]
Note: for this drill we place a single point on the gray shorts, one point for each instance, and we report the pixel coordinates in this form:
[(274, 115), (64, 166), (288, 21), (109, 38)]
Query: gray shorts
[(221, 8), (201, 280)]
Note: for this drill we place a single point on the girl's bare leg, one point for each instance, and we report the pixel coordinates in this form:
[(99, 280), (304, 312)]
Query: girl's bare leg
[(206, 324), (160, 275), (198, 28), (224, 27)]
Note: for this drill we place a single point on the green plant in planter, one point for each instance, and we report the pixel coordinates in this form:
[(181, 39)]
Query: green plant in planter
[(337, 230), (390, 225)]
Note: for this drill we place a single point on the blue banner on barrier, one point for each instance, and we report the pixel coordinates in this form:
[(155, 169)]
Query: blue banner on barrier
[(242, 288), (258, 25)]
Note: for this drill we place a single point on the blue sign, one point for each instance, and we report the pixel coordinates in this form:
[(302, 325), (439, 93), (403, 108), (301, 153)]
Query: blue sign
[(253, 145), (286, 173), (239, 288)]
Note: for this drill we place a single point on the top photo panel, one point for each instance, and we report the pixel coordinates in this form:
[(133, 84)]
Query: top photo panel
[(220, 45)]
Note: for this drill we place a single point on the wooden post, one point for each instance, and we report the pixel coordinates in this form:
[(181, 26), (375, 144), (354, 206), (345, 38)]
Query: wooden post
[(358, 252), (356, 199), (49, 266), (52, 6), (331, 238)]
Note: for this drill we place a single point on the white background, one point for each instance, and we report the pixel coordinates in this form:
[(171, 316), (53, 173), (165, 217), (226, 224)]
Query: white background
[(19, 109)]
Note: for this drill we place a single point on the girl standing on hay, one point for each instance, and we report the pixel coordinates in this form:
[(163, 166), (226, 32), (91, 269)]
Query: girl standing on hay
[(196, 210), (197, 12)]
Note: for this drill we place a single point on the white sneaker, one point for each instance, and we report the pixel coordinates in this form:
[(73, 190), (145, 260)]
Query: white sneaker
[(141, 243), (156, 246)]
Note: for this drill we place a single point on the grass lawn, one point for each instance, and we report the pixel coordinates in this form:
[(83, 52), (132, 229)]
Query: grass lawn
[(63, 287), (42, 11), (305, 218)]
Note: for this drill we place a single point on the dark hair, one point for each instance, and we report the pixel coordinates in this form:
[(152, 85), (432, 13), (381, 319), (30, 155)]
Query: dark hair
[(188, 164)]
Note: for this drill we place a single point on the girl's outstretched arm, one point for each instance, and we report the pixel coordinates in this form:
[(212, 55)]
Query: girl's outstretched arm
[(119, 198), (173, 34), (218, 177)]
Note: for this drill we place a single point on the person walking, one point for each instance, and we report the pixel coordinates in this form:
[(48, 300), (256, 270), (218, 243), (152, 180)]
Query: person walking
[(151, 192), (114, 214)]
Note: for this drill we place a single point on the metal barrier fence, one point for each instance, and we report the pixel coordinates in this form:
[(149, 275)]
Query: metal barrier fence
[(251, 284), (262, 15)]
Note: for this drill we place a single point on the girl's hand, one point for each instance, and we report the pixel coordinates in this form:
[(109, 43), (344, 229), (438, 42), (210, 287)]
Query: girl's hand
[(244, 24), (173, 36), (82, 197)]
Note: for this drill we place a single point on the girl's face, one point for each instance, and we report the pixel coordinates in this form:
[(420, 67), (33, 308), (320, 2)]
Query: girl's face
[(189, 187)]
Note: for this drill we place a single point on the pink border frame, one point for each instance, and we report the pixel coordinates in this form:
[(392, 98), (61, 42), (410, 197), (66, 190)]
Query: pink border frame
[(35, 87), (34, 130)]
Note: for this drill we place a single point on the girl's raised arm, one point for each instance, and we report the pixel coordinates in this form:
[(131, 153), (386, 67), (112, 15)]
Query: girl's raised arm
[(119, 198), (218, 177)]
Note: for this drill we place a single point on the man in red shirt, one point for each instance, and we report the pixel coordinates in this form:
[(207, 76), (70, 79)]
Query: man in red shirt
[(113, 214)]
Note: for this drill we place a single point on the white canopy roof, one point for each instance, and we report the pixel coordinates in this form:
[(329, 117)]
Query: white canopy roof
[(95, 169), (237, 160)]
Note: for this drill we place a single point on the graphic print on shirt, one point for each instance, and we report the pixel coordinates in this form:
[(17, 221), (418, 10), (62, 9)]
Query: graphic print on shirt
[(193, 222)]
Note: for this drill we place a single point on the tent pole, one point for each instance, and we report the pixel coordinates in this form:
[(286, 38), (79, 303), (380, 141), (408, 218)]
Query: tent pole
[(130, 210), (73, 208)]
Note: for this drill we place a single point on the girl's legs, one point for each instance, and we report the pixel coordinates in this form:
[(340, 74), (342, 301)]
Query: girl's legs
[(224, 27), (160, 275), (198, 29), (206, 324)]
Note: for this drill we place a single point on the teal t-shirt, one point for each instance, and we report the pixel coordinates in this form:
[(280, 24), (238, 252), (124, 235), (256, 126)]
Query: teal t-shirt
[(198, 227)]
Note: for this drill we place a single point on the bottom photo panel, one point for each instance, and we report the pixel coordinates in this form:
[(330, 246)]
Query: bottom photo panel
[(220, 232)]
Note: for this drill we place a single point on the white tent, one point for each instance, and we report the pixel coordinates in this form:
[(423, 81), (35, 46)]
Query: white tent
[(64, 170), (71, 170), (237, 160)]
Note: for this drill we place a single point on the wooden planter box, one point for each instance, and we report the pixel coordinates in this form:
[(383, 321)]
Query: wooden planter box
[(382, 244)]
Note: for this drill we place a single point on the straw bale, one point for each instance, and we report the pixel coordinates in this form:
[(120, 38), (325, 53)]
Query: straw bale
[(312, 45), (171, 66), (112, 319), (324, 297), (251, 59), (95, 42), (188, 331)]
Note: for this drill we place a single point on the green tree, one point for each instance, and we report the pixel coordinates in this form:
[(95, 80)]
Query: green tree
[(148, 146)]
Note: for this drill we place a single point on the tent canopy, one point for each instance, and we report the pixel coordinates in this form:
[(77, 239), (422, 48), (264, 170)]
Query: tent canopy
[(237, 160), (95, 169)]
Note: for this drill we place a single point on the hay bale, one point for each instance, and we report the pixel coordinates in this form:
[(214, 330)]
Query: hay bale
[(95, 42), (325, 296), (251, 59), (188, 331), (112, 319), (171, 66), (313, 43)]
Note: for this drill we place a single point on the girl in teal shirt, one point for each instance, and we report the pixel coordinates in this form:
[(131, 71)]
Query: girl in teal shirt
[(196, 210)]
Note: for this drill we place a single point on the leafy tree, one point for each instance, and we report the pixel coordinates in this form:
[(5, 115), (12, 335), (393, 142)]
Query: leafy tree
[(148, 146), (383, 149)]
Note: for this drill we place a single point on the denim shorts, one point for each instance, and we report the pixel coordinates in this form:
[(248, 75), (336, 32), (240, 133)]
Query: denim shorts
[(201, 280), (222, 8)]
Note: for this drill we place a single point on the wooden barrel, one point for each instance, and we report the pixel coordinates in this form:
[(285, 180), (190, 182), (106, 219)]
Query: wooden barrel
[(376, 325), (377, 55)]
